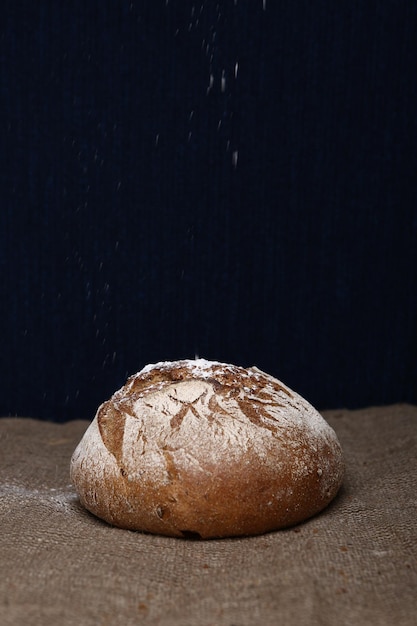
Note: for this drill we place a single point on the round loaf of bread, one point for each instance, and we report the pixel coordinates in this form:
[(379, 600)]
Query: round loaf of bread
[(197, 448)]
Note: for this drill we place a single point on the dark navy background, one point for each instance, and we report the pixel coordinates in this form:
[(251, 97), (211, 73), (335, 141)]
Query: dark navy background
[(230, 179)]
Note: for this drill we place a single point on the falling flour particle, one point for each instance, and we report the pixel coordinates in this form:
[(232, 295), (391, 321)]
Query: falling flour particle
[(211, 82), (223, 81)]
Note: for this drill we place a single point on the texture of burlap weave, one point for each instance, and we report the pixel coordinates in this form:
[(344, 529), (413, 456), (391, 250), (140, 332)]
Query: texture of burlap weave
[(354, 564)]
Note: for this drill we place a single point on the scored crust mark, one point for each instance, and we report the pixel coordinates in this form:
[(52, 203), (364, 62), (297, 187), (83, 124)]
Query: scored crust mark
[(255, 410), (111, 424), (216, 409), (257, 413), (177, 419)]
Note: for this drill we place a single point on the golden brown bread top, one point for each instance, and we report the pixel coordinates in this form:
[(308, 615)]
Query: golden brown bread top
[(227, 381)]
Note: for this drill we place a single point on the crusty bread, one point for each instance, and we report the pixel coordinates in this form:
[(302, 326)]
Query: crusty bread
[(204, 449)]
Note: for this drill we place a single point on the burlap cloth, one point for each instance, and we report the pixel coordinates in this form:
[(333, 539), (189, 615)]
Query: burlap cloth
[(353, 564)]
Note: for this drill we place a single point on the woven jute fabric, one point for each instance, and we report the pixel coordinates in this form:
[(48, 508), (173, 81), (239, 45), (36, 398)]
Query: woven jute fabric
[(355, 563)]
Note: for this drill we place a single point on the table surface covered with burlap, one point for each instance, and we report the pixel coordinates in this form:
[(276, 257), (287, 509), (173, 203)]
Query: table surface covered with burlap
[(355, 563)]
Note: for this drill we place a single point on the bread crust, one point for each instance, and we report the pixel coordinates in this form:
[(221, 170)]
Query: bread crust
[(206, 449)]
